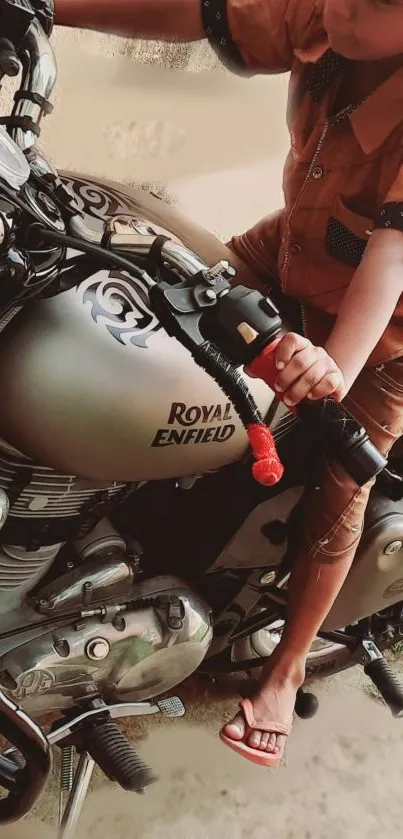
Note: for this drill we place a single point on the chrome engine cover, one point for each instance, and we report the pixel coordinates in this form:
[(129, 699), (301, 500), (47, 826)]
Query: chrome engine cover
[(135, 656)]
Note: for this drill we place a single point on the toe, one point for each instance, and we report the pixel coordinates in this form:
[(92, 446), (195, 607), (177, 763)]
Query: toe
[(264, 740), (254, 739), (236, 728), (271, 743), (280, 744)]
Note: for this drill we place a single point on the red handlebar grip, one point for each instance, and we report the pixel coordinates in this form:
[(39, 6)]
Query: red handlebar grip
[(267, 469), (264, 365)]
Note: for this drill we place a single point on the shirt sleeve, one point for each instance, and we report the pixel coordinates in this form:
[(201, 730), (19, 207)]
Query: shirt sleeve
[(251, 36), (259, 246), (391, 214)]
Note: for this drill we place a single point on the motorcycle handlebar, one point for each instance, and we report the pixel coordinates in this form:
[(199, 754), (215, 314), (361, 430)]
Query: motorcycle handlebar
[(24, 784), (39, 72), (24, 42), (343, 437)]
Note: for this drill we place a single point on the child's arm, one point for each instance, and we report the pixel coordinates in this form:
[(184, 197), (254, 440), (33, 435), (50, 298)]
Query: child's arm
[(368, 304), (370, 300), (171, 19)]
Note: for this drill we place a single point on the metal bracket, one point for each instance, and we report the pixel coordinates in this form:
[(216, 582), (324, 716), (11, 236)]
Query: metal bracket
[(76, 784), (187, 301), (367, 651), (79, 785), (124, 709), (78, 793)]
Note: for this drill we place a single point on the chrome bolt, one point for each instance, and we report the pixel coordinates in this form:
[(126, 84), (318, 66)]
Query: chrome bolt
[(97, 649), (393, 547), (221, 269), (268, 578), (210, 295)]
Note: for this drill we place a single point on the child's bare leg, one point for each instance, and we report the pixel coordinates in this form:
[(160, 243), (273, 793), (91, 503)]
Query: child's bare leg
[(313, 590), (317, 577), (333, 518)]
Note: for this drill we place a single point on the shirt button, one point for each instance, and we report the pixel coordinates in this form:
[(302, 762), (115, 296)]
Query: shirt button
[(317, 173), (295, 248)]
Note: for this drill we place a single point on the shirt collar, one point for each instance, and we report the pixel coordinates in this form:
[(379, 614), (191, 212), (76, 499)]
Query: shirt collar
[(381, 112), (375, 119)]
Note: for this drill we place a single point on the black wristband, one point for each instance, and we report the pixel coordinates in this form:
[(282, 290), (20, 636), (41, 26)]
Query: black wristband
[(215, 23), (390, 216)]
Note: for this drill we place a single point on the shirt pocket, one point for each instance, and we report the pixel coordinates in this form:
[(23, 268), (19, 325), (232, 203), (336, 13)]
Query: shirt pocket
[(347, 234)]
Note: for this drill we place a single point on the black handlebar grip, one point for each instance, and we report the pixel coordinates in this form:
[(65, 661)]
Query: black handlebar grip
[(343, 438)]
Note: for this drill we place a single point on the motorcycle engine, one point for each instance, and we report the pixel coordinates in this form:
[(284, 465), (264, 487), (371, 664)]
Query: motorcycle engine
[(135, 651), (80, 625)]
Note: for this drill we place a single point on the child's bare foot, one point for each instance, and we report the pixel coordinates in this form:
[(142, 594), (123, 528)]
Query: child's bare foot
[(266, 719)]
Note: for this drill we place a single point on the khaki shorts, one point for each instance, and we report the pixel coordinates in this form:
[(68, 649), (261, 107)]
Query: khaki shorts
[(334, 511)]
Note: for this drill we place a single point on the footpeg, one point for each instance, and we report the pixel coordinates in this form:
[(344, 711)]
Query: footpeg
[(172, 707), (118, 759), (384, 679), (306, 704), (387, 683)]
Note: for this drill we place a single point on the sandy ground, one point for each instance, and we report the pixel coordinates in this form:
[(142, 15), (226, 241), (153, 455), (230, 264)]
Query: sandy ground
[(342, 776), (341, 780)]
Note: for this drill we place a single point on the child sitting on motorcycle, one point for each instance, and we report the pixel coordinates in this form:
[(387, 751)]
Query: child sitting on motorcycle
[(337, 247)]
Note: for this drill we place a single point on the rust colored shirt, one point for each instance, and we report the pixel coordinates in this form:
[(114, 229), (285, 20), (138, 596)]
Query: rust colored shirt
[(344, 173)]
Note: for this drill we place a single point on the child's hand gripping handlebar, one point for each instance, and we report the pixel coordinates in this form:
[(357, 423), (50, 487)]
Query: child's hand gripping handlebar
[(342, 436), (251, 323)]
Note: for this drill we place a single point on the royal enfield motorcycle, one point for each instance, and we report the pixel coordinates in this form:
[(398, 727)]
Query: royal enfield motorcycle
[(148, 525)]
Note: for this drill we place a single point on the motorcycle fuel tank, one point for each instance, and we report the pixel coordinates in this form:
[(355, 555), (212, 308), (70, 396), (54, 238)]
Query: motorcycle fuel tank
[(92, 385)]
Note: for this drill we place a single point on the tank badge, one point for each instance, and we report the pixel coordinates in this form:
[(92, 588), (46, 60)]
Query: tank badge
[(121, 305), (197, 424)]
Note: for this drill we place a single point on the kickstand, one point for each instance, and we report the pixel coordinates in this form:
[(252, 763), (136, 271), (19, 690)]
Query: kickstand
[(77, 795)]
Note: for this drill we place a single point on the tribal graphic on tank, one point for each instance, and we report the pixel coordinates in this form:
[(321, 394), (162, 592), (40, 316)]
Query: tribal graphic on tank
[(121, 305), (100, 201)]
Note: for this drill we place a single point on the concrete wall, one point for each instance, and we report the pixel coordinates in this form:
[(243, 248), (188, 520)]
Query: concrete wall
[(153, 111), (194, 57), (170, 116)]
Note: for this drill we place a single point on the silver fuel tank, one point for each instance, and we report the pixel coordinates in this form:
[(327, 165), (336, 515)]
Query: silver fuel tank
[(91, 384)]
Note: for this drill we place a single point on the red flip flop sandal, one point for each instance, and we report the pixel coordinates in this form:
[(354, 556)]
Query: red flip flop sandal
[(256, 755)]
